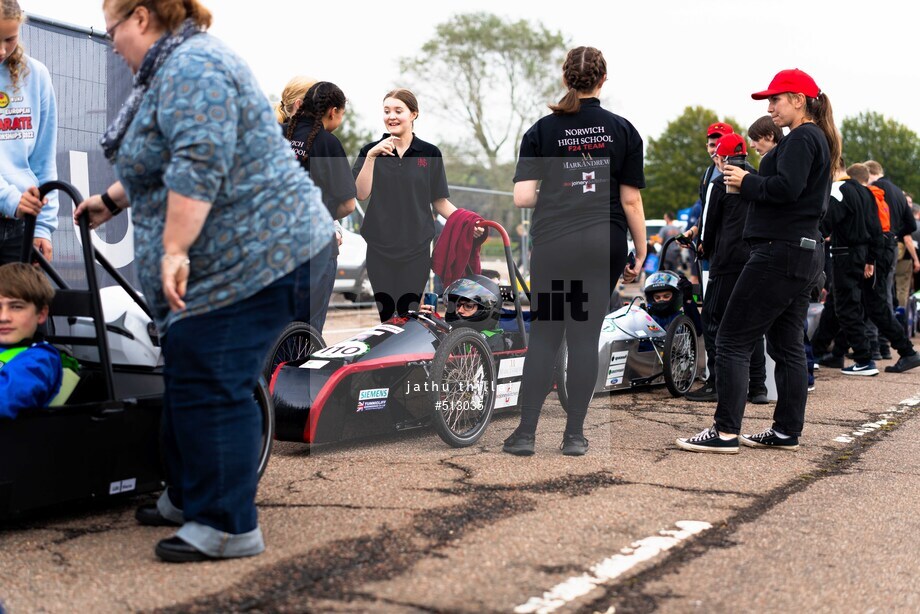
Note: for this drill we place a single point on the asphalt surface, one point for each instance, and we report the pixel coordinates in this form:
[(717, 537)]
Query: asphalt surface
[(406, 524)]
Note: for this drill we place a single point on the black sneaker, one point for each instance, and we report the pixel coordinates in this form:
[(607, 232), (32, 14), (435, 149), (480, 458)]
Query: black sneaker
[(865, 368), (704, 394), (758, 397), (885, 352), (519, 444), (905, 363), (574, 445), (830, 360), (708, 440), (768, 439)]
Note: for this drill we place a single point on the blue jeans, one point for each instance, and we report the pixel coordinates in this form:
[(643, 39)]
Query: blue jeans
[(313, 287), (211, 422), (771, 297)]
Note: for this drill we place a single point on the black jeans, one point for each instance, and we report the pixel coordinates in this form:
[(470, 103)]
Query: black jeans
[(718, 291), (877, 303), (848, 300), (771, 297)]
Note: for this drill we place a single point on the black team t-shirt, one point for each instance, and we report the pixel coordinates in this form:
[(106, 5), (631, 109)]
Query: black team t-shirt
[(581, 160), (327, 164), (398, 221)]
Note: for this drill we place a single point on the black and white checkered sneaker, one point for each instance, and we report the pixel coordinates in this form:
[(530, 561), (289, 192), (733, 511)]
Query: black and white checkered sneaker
[(768, 439), (708, 440)]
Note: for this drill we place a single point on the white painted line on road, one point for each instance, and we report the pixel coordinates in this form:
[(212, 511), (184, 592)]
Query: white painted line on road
[(871, 427), (611, 568)]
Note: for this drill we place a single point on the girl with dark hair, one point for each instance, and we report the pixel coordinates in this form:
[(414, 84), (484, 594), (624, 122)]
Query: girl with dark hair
[(587, 163), (27, 157), (771, 296), (319, 113), (404, 178)]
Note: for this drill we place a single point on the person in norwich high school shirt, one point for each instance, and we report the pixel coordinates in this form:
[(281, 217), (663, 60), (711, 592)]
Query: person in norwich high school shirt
[(28, 116), (587, 163)]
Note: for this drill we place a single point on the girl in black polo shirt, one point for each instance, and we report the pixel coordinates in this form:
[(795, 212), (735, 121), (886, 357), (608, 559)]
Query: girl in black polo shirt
[(403, 176), (318, 114), (588, 164)]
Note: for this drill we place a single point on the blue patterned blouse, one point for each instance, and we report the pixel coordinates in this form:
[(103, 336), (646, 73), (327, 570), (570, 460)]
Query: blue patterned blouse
[(205, 130)]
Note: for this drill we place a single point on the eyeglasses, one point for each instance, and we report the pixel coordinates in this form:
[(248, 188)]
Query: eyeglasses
[(110, 33)]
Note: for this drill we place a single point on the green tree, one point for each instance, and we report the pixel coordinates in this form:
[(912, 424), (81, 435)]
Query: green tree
[(353, 134), (492, 74), (675, 161), (870, 136)]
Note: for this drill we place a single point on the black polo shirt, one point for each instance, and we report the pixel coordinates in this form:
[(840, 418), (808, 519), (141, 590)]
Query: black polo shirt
[(581, 160), (398, 221), (327, 164)]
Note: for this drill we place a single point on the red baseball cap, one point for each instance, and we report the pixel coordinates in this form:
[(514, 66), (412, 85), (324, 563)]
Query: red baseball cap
[(731, 145), (719, 128), (792, 80)]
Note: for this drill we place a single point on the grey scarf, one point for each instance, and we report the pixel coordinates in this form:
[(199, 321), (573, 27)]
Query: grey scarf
[(155, 57)]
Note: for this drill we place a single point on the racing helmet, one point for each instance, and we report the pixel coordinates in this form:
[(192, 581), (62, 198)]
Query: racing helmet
[(480, 290), (662, 281)]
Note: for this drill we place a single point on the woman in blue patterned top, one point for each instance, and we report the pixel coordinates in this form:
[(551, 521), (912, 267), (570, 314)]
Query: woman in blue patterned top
[(223, 216)]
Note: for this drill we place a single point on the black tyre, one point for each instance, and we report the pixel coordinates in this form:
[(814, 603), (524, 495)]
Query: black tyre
[(560, 372), (297, 341), (264, 400), (680, 355), (463, 387)]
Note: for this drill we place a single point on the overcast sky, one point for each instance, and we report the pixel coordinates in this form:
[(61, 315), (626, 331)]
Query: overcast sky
[(662, 55)]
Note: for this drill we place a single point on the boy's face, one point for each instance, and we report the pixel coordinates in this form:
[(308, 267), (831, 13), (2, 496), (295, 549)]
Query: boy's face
[(19, 320), (663, 296)]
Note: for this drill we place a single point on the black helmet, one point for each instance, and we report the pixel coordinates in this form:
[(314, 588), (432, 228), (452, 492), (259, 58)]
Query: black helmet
[(482, 291), (660, 282)]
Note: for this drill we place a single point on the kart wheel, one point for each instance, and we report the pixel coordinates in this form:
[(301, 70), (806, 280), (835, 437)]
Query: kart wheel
[(680, 354), (562, 364), (463, 390), (297, 341), (267, 408)]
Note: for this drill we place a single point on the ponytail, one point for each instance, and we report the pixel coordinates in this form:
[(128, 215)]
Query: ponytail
[(568, 104), (16, 62), (820, 110)]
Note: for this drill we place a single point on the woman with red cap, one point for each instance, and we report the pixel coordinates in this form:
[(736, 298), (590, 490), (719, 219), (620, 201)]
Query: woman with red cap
[(772, 292)]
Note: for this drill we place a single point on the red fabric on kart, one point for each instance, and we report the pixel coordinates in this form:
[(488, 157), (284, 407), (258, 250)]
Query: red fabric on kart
[(456, 248)]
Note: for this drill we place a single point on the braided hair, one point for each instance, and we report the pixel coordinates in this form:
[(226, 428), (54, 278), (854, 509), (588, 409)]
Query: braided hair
[(316, 102), (16, 62), (584, 69)]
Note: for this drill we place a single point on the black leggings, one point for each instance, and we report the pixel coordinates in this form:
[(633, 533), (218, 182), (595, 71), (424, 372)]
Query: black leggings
[(397, 284), (587, 262)]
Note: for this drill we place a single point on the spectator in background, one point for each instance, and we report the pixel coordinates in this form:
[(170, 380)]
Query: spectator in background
[(764, 135), (223, 217), (292, 97), (915, 209), (902, 224), (672, 258), (310, 130), (27, 157)]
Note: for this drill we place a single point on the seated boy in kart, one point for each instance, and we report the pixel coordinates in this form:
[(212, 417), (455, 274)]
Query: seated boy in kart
[(31, 370), (475, 302)]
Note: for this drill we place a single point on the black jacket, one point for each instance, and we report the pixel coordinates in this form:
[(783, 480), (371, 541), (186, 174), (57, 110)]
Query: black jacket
[(723, 234), (852, 218)]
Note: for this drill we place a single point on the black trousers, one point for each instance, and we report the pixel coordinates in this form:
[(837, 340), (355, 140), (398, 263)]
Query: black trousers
[(588, 262), (848, 300), (718, 292), (770, 298), (11, 234), (397, 284), (877, 304)]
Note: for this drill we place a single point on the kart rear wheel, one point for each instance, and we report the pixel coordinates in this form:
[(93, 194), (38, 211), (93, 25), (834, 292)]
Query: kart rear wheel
[(680, 355), (562, 364), (463, 387), (267, 409), (296, 342)]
